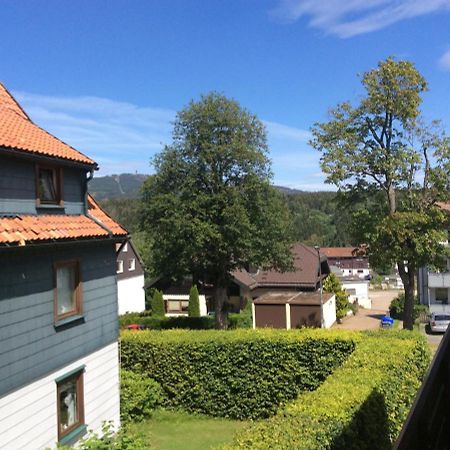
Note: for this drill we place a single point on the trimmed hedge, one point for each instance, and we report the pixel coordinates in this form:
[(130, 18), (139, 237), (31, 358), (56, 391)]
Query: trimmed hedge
[(361, 406), (239, 374), (235, 320)]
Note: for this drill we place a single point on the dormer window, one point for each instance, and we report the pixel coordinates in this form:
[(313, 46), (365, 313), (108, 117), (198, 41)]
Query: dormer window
[(48, 185)]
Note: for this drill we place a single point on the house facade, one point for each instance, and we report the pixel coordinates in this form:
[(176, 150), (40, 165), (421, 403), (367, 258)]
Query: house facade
[(59, 371), (348, 260), (130, 278), (434, 289)]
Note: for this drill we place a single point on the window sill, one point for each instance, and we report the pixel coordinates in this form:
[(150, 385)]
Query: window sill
[(69, 321), (50, 206), (74, 435)]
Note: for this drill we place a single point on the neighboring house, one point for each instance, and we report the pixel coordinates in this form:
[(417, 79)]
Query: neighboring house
[(358, 290), (434, 286), (294, 310), (130, 278), (349, 260), (305, 276), (59, 368), (434, 289)]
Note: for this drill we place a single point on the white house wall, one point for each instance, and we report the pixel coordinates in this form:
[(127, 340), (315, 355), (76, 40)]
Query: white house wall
[(28, 416), (329, 312), (181, 297), (131, 294), (361, 293)]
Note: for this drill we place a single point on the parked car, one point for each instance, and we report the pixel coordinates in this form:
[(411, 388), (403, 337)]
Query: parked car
[(439, 322)]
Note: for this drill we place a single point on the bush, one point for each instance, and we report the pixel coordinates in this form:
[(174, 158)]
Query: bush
[(194, 302), (332, 284), (158, 309), (166, 323), (362, 405), (139, 396), (236, 373), (109, 440), (397, 307)]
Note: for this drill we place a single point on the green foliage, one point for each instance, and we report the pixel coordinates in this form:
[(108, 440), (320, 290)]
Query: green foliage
[(110, 440), (332, 284), (166, 323), (194, 302), (236, 373), (397, 306), (393, 169), (210, 206), (342, 304), (157, 304), (361, 406), (139, 396)]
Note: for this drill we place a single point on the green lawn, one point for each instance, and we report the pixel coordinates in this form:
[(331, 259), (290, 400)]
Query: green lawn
[(174, 430)]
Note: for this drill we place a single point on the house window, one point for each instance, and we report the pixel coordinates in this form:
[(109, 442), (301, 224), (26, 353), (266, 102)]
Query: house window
[(131, 264), (70, 405), (177, 306), (125, 247), (119, 266), (48, 180), (442, 295), (68, 300)]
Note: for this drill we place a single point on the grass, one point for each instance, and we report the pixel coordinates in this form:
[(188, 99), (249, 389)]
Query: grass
[(175, 430)]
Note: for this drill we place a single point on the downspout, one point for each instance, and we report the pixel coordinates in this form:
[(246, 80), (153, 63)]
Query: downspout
[(86, 209)]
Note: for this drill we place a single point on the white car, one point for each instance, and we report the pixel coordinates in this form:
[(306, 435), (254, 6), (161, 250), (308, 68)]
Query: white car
[(439, 322)]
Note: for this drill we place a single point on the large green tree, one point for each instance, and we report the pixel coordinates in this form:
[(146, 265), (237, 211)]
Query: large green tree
[(393, 169), (210, 207)]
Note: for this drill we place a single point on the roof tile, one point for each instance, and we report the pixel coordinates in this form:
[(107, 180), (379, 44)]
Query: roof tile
[(18, 132)]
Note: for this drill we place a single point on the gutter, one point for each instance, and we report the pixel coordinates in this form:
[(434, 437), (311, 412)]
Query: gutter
[(86, 209)]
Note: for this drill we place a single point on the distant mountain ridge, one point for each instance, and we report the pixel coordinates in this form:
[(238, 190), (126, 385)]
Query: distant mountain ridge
[(128, 185)]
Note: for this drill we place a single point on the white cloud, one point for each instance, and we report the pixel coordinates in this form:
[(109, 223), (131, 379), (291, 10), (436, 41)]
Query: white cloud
[(353, 17), (444, 61), (122, 137)]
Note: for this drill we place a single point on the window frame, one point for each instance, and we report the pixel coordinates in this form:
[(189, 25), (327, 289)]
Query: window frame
[(119, 265), (78, 375), (131, 264), (78, 310), (57, 175)]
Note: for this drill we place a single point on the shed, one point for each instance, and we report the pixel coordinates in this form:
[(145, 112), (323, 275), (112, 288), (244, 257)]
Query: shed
[(293, 309)]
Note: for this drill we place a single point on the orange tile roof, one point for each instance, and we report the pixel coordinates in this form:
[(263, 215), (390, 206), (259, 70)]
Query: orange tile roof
[(101, 216), (340, 252), (25, 229), (18, 132)]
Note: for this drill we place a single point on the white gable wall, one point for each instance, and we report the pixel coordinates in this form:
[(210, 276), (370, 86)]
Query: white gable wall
[(28, 415), (131, 294)]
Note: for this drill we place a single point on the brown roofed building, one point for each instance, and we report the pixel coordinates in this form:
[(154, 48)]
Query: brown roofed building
[(350, 260)]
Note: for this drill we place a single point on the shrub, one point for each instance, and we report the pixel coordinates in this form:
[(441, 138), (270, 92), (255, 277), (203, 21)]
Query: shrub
[(109, 440), (235, 373), (362, 405), (158, 309), (139, 396), (397, 306), (166, 323), (332, 284), (194, 302)]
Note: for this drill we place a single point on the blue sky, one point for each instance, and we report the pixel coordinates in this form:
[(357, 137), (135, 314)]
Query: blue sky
[(107, 76)]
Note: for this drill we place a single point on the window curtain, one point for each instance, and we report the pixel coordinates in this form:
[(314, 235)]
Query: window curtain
[(65, 282), (47, 188)]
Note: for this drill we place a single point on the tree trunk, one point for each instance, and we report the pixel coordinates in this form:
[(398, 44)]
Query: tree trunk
[(392, 200), (407, 272), (220, 299)]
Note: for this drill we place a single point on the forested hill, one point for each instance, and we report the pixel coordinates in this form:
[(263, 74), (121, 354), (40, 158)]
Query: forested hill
[(128, 185), (125, 185), (317, 218)]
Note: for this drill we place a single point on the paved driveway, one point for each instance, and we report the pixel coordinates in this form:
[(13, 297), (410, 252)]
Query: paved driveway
[(369, 319)]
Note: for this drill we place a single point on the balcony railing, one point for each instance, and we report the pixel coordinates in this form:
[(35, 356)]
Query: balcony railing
[(439, 280), (428, 423)]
